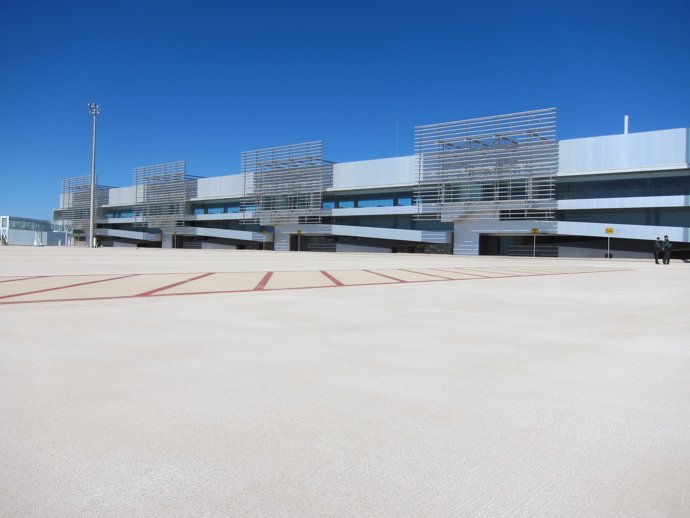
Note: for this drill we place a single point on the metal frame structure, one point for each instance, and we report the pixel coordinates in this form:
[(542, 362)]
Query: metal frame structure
[(162, 192), (499, 167), (37, 226), (75, 202), (285, 184), (249, 205), (4, 229)]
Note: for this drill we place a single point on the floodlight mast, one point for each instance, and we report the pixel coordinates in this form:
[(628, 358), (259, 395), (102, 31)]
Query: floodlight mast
[(94, 110)]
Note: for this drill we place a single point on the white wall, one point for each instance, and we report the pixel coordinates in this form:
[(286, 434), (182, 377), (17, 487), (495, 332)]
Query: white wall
[(375, 173), (644, 232), (20, 237), (666, 149), (631, 202), (230, 186), (122, 195)]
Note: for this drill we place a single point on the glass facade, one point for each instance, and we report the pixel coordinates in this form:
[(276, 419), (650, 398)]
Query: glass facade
[(389, 199), (379, 201), (624, 188), (216, 208), (679, 217), (29, 224), (119, 213)]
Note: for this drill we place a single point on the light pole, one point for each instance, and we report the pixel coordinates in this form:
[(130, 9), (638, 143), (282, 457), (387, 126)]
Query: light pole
[(93, 110)]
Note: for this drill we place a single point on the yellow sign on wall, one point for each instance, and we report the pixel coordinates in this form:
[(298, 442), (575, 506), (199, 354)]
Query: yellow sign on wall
[(609, 230)]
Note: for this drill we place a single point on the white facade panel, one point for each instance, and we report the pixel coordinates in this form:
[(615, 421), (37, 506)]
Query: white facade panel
[(122, 195), (26, 237), (128, 234), (633, 202), (121, 220), (395, 234), (645, 232), (666, 149), (231, 186), (243, 235), (369, 174)]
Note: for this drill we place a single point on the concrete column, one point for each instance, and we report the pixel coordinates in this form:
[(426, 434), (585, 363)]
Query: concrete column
[(281, 238), (167, 237), (466, 241)]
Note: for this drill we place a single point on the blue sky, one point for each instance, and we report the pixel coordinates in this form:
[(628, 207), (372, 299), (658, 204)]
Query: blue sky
[(202, 81)]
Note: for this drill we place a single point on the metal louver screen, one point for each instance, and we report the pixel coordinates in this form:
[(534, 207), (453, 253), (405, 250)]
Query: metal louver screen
[(75, 201), (162, 192), (287, 183), (500, 167)]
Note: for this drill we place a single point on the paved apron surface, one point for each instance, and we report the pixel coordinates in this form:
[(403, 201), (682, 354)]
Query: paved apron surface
[(70, 288)]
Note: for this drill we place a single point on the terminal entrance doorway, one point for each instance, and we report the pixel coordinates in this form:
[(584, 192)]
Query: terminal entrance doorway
[(302, 243), (489, 245)]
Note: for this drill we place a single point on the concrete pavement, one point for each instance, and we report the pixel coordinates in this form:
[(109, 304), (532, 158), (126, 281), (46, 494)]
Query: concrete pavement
[(540, 387)]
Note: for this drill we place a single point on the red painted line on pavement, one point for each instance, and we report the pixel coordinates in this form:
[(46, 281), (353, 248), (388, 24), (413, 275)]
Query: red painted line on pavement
[(429, 274), (263, 282), (185, 281), (497, 273), (386, 276), (462, 273), (590, 271), (488, 270), (112, 297), (332, 279), (25, 278), (523, 270), (67, 286)]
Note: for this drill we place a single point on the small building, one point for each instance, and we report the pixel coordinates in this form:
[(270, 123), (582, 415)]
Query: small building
[(29, 232)]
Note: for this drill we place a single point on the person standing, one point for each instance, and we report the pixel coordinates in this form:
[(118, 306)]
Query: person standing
[(666, 245), (658, 249)]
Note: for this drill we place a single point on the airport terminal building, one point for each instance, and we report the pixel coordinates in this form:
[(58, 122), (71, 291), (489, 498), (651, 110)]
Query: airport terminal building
[(501, 185)]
